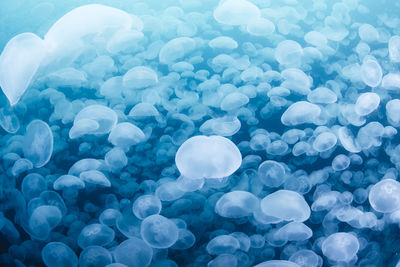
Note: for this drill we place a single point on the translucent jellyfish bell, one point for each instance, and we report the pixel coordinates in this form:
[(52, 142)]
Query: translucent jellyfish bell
[(133, 252), (158, 231), (322, 95), (222, 244), (126, 134), (207, 157), (289, 52), (237, 204), (68, 182), (340, 247), (176, 49), (236, 12), (66, 34), (277, 263), (306, 258), (93, 119), (325, 141), (42, 221), (286, 205), (38, 143), (140, 77), (19, 62), (95, 177), (293, 231), (95, 235), (57, 254), (223, 42), (32, 185), (146, 205), (299, 113), (94, 256), (366, 103), (384, 196), (394, 48)]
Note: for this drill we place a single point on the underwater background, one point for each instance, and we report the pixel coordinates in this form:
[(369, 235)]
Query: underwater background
[(199, 133)]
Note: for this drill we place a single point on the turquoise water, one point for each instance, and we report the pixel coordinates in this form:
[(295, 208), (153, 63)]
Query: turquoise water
[(199, 133)]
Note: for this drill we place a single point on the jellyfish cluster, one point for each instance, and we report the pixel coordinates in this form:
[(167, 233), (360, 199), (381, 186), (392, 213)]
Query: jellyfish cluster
[(199, 133)]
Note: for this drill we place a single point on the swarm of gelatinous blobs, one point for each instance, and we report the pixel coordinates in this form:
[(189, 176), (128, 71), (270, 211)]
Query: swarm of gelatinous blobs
[(199, 133)]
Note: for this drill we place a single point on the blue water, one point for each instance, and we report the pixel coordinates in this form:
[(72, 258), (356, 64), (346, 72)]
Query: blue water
[(199, 133)]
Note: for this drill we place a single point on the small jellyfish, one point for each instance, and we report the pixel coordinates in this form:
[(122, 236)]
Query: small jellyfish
[(368, 33), (260, 27), (158, 231), (143, 111), (299, 113), (21, 166), (305, 258), (243, 239), (128, 224), (208, 157), (340, 247), (371, 72), (271, 173), (296, 81), (50, 198), (393, 112), (293, 231), (176, 49), (95, 120), (288, 52), (95, 235), (116, 159), (38, 143), (384, 196), (57, 254), (315, 38), (237, 204), (257, 241), (347, 140), (224, 260), (394, 48), (340, 162), (169, 191), (42, 221), (222, 244), (146, 205), (277, 263), (223, 42), (126, 134), (324, 142), (9, 120), (325, 201), (84, 165), (94, 256), (32, 185), (186, 239), (234, 101), (139, 77), (109, 216), (223, 126), (286, 205), (19, 61), (68, 182), (366, 103), (322, 95), (95, 177), (133, 252), (236, 12)]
